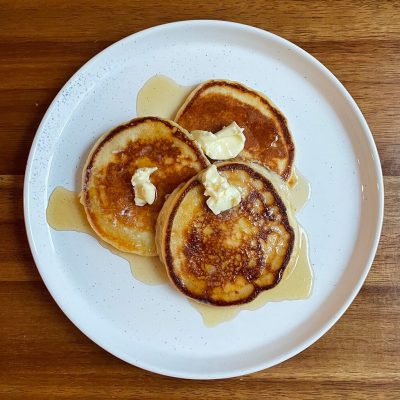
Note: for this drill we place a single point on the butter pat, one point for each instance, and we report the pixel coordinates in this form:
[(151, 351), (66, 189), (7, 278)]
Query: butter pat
[(224, 144), (145, 191), (222, 195)]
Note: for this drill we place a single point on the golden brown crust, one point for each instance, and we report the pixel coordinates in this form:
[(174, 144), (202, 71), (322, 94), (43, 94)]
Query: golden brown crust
[(107, 192), (209, 243), (268, 139)]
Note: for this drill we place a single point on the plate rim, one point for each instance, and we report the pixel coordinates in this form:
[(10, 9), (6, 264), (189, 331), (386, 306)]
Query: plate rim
[(372, 251)]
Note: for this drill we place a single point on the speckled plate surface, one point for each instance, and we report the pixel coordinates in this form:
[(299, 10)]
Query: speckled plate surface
[(153, 327)]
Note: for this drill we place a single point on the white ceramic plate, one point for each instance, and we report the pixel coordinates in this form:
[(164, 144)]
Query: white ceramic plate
[(154, 327)]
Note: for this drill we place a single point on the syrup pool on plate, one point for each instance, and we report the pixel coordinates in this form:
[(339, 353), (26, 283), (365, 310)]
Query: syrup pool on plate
[(66, 213), (161, 97)]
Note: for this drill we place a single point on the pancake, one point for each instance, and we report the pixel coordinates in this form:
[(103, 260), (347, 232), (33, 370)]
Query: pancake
[(229, 258), (217, 103), (107, 192)]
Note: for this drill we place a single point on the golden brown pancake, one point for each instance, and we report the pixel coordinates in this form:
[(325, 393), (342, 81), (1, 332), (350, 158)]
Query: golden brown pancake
[(107, 192), (216, 103), (229, 258)]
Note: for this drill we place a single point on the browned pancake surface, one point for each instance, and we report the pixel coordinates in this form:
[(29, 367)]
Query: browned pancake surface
[(228, 258), (217, 103), (108, 194)]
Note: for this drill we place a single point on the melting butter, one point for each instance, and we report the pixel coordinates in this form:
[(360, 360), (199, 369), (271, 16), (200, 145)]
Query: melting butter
[(222, 145), (161, 97), (222, 195), (145, 191)]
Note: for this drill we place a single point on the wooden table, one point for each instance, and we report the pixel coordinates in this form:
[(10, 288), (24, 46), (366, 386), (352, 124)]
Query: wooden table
[(42, 354)]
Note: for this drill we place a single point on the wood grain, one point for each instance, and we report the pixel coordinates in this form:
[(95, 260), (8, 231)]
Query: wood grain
[(42, 44)]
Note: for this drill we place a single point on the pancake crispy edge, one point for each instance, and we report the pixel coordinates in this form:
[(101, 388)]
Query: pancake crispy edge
[(166, 220), (263, 149), (144, 245)]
